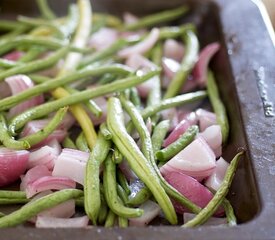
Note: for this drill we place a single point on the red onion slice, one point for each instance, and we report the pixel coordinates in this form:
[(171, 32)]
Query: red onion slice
[(141, 47), (102, 103), (214, 181), (44, 156), (71, 163), (13, 56), (188, 120), (200, 70), (33, 174), (55, 145), (206, 119), (127, 171), (170, 67), (213, 221), (196, 160), (103, 38), (52, 222), (49, 183), (173, 49), (12, 165), (20, 83), (151, 210), (213, 136)]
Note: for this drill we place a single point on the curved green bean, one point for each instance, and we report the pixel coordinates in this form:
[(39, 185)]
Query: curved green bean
[(105, 131), (159, 133), (92, 199), (147, 150), (9, 102), (123, 182), (160, 17), (81, 143), (68, 143), (8, 140), (103, 210), (229, 212), (110, 219), (45, 10), (42, 134), (136, 159), (218, 106), (110, 192), (121, 194), (219, 196), (35, 65), (139, 197), (4, 63), (175, 147), (117, 157), (187, 64), (44, 109), (175, 32), (30, 210)]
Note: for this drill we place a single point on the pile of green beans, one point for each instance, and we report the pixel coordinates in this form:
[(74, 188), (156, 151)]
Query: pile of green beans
[(106, 197)]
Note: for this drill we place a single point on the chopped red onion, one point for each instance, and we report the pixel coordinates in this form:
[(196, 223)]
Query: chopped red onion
[(173, 49), (129, 18), (71, 163), (172, 115), (151, 210), (55, 145), (5, 90), (206, 119), (213, 136), (200, 70), (43, 156), (49, 183), (12, 165), (53, 222), (20, 83), (196, 160), (141, 47), (33, 174), (127, 171), (13, 56), (215, 179), (188, 120), (213, 221), (170, 67), (103, 38)]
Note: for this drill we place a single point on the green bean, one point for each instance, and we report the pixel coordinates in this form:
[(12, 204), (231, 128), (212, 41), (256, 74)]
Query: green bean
[(38, 78), (110, 219), (57, 82), (9, 25), (103, 210), (2, 214), (156, 54), (219, 196), (122, 194), (29, 41), (81, 143), (105, 131), (147, 149), (218, 106), (173, 102), (90, 104), (123, 222), (110, 192), (4, 63), (123, 182), (9, 36), (30, 210), (44, 109), (71, 23), (104, 53), (187, 64), (92, 198), (229, 212), (117, 157), (68, 143), (7, 140), (32, 54), (106, 78), (6, 201), (12, 194), (134, 97), (175, 32), (137, 198), (79, 202), (42, 134), (35, 65), (45, 10), (157, 18), (111, 20), (159, 134), (34, 22), (136, 159), (175, 147)]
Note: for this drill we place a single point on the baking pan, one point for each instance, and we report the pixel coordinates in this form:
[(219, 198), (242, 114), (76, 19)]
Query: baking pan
[(245, 71)]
